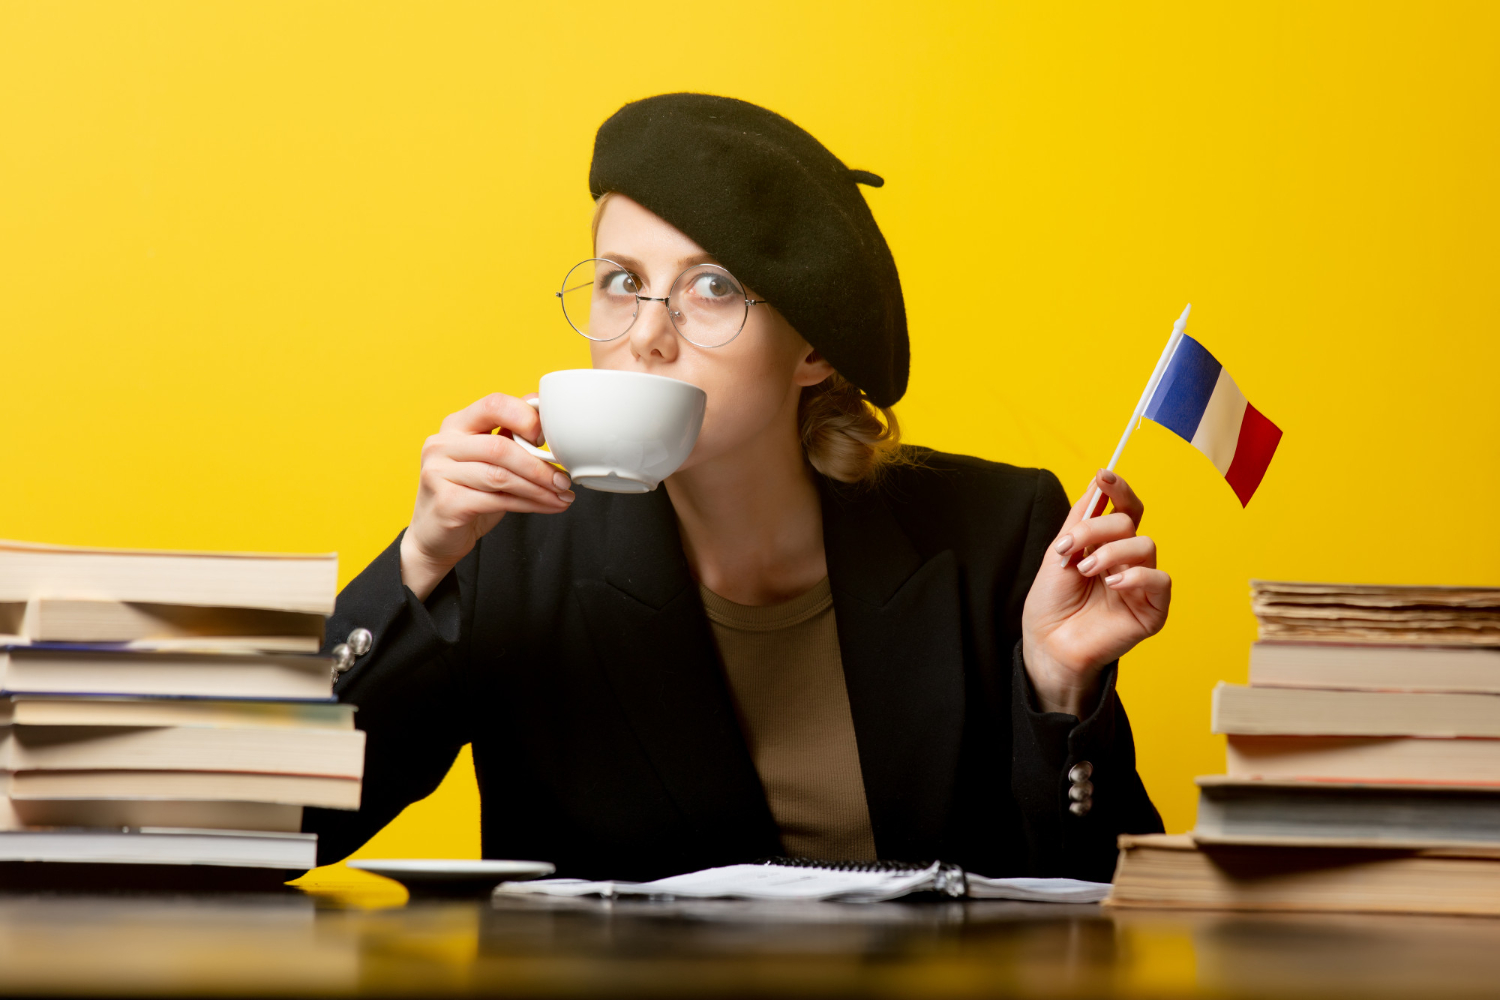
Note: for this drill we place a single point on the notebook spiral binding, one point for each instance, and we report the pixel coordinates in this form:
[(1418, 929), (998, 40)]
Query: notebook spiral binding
[(949, 879)]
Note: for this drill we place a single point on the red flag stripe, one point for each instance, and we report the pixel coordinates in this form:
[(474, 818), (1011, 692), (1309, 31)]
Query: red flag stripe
[(1252, 455)]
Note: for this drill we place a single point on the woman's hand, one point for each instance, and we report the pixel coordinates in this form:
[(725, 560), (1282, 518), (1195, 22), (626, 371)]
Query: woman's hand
[(1097, 594), (470, 479)]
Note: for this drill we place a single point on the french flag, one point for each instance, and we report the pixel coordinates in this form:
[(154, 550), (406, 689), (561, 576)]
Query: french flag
[(1197, 400)]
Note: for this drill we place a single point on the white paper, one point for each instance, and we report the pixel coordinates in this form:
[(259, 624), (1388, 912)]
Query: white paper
[(1038, 890), (748, 882), (787, 882)]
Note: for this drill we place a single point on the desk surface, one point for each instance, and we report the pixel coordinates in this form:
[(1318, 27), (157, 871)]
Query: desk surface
[(361, 943)]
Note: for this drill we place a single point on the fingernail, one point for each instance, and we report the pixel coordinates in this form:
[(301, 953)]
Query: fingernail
[(560, 481), (1064, 544), (567, 497), (1105, 476), (1087, 564), (1112, 580)]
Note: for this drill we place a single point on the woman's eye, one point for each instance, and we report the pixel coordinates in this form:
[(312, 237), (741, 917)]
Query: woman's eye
[(713, 286), (620, 283)]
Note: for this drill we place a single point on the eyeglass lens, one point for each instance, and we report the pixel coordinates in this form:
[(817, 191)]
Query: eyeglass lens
[(705, 304)]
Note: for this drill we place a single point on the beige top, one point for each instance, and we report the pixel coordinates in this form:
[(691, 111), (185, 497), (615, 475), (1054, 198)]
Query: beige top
[(787, 680)]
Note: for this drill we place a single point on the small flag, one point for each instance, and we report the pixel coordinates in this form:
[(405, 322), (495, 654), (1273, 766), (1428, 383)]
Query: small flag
[(1197, 400)]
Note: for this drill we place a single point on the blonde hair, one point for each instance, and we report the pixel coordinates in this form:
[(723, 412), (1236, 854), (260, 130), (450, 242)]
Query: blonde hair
[(844, 436)]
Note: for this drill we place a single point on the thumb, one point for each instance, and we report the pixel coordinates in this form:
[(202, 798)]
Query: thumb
[(1076, 512)]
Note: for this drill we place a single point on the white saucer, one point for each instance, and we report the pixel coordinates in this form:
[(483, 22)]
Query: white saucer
[(448, 874)]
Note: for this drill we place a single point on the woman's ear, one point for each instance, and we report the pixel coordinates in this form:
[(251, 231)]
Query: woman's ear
[(812, 369)]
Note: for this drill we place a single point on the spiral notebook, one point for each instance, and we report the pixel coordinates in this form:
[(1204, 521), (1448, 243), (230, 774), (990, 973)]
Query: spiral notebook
[(834, 881)]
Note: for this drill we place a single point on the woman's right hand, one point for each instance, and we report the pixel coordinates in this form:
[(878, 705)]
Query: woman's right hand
[(470, 479)]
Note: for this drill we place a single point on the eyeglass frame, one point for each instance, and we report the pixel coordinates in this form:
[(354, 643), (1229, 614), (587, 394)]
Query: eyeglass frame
[(639, 298)]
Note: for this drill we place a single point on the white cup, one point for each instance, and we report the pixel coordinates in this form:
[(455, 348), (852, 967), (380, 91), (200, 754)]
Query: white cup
[(617, 432)]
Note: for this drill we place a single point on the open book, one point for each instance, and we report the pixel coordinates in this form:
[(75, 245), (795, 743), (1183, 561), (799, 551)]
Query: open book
[(847, 882)]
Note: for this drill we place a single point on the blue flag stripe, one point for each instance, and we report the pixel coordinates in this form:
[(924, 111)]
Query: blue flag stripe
[(1182, 395)]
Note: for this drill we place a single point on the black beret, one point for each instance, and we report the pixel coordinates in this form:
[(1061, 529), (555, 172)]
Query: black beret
[(777, 209)]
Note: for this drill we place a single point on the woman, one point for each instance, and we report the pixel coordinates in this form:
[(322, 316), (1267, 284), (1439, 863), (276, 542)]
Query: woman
[(810, 641)]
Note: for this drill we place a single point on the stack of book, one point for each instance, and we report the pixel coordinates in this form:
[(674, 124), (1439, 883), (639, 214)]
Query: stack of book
[(1363, 761), (167, 709)]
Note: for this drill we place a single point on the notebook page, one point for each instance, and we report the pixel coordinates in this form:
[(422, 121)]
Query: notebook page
[(749, 882), (781, 882)]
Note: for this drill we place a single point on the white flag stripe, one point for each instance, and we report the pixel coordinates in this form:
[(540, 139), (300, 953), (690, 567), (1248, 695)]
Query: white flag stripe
[(1218, 433)]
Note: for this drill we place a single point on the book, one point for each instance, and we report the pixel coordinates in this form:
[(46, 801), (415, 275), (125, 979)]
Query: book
[(76, 669), (1251, 711), (331, 753), (810, 880), (155, 626), (1363, 759), (19, 814), (199, 786), (162, 846), (1172, 871), (1370, 667), (304, 583), (52, 710), (1312, 813), (1339, 612)]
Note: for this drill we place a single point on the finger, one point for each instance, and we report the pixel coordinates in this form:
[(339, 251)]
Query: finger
[(495, 410), (1153, 585), (489, 478), (502, 451), (1075, 513), (534, 400), (1121, 495), (1138, 550), (1093, 533), (1101, 501), (460, 505)]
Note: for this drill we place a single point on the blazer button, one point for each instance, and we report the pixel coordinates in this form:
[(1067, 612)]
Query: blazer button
[(343, 658), (1082, 792), (1081, 771), (360, 640), (1080, 808)]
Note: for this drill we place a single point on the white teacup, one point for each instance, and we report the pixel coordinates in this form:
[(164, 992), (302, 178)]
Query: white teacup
[(618, 432)]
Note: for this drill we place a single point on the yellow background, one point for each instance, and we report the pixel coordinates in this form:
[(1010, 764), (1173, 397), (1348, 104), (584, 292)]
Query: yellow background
[(250, 255)]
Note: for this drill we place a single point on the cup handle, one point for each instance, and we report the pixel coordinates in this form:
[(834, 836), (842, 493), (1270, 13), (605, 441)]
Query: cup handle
[(531, 449)]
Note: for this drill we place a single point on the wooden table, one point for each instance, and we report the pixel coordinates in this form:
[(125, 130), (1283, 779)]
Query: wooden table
[(364, 942)]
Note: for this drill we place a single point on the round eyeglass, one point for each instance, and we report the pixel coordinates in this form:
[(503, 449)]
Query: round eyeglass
[(707, 306)]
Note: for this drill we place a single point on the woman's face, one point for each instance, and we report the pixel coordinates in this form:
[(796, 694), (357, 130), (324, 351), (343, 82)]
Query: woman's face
[(753, 382)]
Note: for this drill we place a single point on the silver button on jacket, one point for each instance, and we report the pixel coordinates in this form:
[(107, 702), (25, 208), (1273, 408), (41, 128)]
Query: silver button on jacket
[(351, 649), (1081, 791), (360, 641)]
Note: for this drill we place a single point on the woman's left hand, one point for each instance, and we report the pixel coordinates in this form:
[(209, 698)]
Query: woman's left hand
[(1097, 594)]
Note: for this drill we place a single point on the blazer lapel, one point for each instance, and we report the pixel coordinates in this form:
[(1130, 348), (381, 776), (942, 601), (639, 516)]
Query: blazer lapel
[(652, 637), (901, 641)]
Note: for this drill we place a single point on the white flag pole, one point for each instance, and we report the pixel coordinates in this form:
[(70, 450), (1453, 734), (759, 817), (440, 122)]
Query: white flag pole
[(1140, 408)]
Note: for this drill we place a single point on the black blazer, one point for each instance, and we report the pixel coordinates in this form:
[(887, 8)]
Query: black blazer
[(573, 652)]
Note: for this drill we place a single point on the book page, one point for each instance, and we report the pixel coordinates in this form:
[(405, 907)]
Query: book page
[(1038, 890)]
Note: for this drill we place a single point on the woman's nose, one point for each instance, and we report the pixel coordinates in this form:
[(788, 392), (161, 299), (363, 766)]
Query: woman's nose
[(652, 337)]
